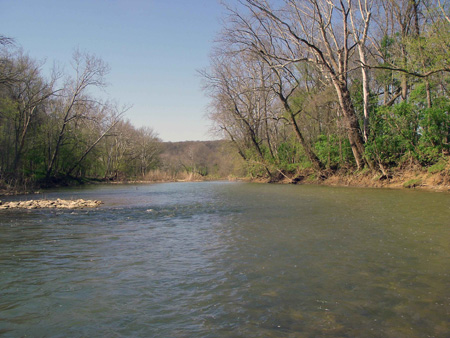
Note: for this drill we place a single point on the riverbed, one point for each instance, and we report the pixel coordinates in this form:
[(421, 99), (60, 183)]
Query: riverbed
[(228, 259)]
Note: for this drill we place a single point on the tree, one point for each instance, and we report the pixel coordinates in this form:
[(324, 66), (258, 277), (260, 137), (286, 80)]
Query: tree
[(30, 93), (360, 29), (236, 83), (74, 103), (313, 31), (50, 129), (147, 150), (103, 120)]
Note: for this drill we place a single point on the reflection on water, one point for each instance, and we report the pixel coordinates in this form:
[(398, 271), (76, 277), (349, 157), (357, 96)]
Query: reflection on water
[(228, 260)]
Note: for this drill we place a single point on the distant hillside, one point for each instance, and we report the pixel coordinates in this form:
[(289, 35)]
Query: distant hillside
[(215, 159)]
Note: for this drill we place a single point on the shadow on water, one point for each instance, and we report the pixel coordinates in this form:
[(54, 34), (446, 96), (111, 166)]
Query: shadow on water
[(219, 259)]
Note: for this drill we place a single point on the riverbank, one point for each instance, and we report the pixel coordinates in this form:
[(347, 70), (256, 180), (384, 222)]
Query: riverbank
[(416, 178), (402, 180), (433, 179)]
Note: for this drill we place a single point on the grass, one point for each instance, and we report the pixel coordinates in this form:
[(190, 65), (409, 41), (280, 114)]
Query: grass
[(413, 183), (436, 168)]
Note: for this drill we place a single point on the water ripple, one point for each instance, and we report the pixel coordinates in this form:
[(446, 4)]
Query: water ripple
[(228, 260)]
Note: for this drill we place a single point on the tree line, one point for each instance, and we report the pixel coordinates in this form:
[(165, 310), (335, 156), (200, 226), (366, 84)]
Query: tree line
[(54, 127), (333, 84), (199, 160)]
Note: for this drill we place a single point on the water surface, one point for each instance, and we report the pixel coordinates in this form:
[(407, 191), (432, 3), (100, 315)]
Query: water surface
[(219, 259)]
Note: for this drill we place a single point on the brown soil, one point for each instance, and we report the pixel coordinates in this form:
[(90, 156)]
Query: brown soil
[(402, 179)]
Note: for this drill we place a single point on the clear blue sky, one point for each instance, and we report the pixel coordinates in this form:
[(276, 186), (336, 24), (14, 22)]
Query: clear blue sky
[(154, 49)]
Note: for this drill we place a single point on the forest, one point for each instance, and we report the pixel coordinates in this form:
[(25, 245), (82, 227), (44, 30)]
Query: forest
[(58, 130), (295, 88), (333, 86), (54, 129)]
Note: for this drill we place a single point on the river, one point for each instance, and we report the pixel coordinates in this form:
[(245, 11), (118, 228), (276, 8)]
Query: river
[(222, 259)]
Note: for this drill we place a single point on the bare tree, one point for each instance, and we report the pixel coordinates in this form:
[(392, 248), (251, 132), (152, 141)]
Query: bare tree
[(236, 85), (148, 149), (313, 31), (90, 72), (444, 13), (360, 28), (30, 92), (104, 118)]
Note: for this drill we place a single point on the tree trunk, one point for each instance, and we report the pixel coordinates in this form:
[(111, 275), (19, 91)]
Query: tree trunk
[(237, 145), (351, 124), (428, 90), (312, 157), (365, 86), (317, 164)]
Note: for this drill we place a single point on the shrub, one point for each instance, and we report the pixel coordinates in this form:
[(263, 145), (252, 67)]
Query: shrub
[(333, 151)]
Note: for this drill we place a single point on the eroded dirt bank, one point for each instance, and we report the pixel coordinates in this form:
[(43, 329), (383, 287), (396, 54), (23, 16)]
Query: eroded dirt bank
[(408, 179)]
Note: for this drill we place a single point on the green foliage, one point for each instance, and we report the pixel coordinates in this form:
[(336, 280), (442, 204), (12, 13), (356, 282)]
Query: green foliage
[(434, 132), (358, 101), (254, 165), (409, 129), (333, 150), (8, 108), (46, 135), (437, 168), (429, 51), (386, 44), (290, 155), (393, 133)]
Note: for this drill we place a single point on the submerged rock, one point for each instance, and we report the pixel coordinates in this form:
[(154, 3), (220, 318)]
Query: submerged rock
[(57, 204)]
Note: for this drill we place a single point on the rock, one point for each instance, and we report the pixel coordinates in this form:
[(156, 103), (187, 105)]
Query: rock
[(58, 203)]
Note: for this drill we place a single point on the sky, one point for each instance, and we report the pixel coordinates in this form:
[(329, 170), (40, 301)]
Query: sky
[(154, 49)]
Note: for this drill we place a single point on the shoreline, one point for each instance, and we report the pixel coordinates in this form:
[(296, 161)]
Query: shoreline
[(405, 179)]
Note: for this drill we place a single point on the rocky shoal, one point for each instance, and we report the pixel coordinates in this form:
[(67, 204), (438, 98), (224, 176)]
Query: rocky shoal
[(56, 204)]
